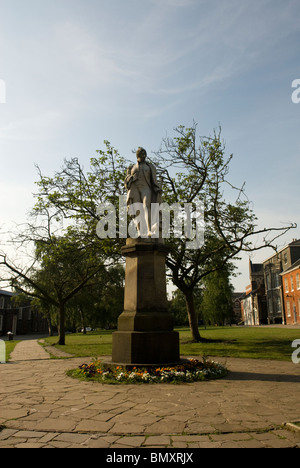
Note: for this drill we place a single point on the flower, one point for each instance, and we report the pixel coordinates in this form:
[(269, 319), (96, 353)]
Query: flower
[(192, 370)]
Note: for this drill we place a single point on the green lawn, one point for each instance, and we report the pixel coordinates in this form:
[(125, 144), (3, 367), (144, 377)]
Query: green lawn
[(92, 344), (9, 347), (243, 342)]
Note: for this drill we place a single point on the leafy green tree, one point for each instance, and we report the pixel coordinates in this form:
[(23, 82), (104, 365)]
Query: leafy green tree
[(100, 303), (216, 306), (59, 253), (73, 196), (178, 306), (195, 170), (62, 268)]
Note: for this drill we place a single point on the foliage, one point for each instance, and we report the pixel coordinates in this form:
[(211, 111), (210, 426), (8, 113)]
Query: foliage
[(195, 170), (74, 194), (177, 306), (216, 306), (100, 303), (61, 235), (190, 371)]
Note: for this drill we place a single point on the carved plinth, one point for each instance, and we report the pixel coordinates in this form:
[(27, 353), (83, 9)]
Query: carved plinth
[(145, 329)]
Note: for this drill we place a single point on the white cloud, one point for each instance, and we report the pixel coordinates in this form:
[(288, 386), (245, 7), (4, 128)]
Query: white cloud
[(86, 57), (39, 127)]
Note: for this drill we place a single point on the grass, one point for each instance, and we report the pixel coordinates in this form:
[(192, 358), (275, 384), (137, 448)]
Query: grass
[(9, 347), (242, 342), (92, 344)]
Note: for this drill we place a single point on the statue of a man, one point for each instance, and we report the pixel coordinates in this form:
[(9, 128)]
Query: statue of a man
[(142, 186)]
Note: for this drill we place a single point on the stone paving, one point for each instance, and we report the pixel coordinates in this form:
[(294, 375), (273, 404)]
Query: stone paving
[(41, 407)]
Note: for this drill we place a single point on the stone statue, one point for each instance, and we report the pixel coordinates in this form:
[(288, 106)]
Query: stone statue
[(143, 188)]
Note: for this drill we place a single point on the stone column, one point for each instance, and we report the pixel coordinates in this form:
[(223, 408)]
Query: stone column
[(145, 329)]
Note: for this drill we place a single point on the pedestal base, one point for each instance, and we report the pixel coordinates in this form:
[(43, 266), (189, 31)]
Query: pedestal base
[(155, 347), (145, 329)]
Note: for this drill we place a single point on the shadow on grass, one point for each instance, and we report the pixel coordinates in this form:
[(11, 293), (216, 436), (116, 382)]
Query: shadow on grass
[(209, 341)]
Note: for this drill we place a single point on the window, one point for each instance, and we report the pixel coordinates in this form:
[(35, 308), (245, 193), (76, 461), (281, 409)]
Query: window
[(288, 308), (1, 302), (299, 307), (292, 283), (298, 280), (285, 258), (20, 314), (1, 321), (278, 305), (286, 285), (270, 304)]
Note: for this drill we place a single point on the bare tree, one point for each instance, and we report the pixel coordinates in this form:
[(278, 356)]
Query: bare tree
[(195, 170)]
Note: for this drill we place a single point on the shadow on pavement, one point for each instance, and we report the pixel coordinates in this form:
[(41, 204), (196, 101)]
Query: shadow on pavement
[(263, 377)]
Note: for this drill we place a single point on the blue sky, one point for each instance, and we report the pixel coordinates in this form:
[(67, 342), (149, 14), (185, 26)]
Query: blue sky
[(128, 71)]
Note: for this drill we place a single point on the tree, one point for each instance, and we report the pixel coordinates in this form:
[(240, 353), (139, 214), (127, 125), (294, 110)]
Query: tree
[(62, 268), (74, 195), (61, 251), (216, 304), (194, 170), (100, 303), (178, 306)]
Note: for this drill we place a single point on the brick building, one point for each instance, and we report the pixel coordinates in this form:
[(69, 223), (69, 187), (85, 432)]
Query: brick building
[(274, 267), (21, 319), (254, 306), (291, 294), (237, 299), (273, 295)]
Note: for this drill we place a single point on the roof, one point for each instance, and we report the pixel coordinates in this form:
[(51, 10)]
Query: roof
[(295, 243), (295, 266), (238, 295), (6, 293), (257, 268)]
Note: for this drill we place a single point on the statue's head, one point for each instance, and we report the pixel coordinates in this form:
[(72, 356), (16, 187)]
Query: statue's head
[(141, 154)]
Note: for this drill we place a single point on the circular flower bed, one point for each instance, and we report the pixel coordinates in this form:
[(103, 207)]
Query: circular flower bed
[(191, 370)]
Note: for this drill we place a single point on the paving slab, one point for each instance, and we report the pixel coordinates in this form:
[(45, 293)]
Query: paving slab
[(41, 407)]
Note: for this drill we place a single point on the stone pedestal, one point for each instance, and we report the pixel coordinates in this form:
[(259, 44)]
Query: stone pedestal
[(145, 329)]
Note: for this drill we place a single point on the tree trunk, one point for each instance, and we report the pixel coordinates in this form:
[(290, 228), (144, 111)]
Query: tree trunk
[(83, 327), (193, 320), (62, 315), (50, 328)]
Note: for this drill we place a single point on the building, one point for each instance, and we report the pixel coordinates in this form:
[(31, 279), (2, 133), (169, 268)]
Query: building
[(254, 305), (291, 293), (8, 315), (273, 267), (21, 319), (237, 299)]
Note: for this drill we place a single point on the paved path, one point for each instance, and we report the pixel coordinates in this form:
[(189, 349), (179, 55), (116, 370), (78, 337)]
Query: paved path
[(41, 407)]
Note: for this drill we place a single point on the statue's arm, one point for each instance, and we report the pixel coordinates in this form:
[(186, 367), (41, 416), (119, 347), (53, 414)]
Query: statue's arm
[(129, 178), (156, 185)]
